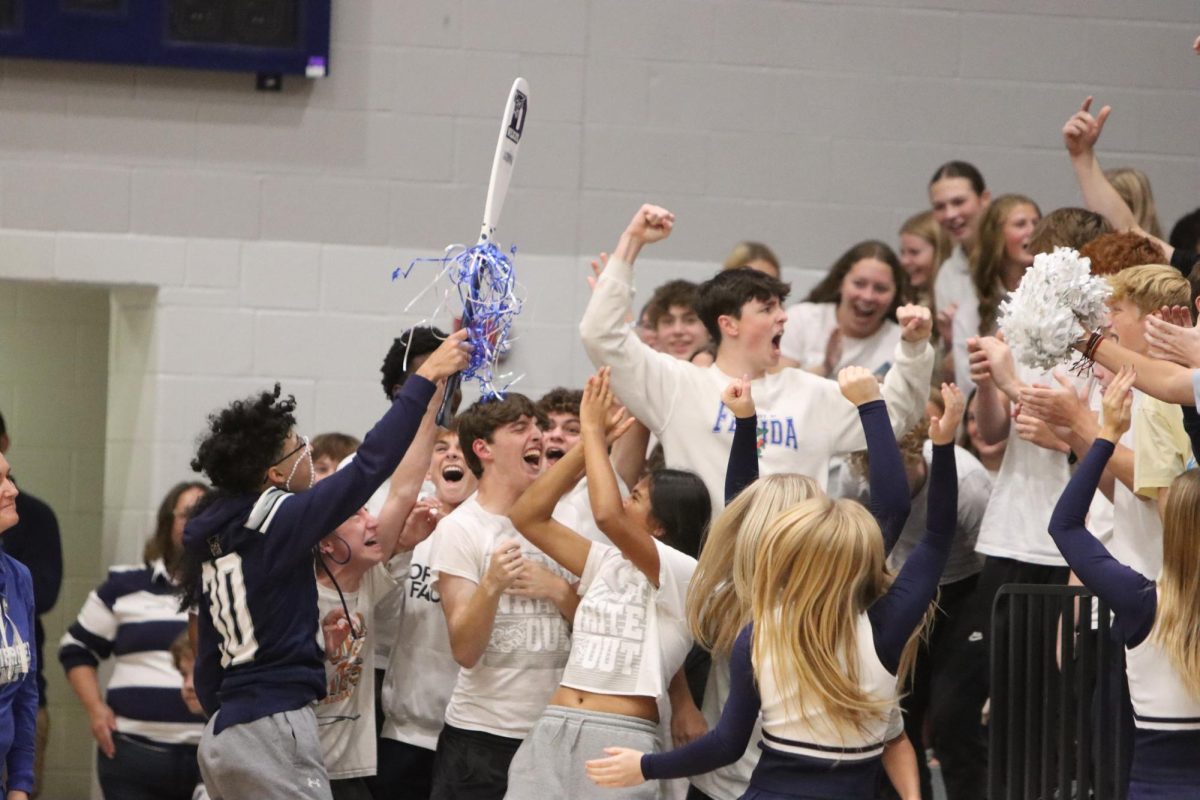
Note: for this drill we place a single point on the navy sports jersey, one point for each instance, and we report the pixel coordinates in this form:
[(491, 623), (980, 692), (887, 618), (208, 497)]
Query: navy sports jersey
[(257, 650)]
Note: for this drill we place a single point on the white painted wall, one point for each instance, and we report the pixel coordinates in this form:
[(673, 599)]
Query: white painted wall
[(262, 228)]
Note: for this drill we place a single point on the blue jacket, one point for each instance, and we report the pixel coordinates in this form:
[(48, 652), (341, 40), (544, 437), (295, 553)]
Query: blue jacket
[(18, 673)]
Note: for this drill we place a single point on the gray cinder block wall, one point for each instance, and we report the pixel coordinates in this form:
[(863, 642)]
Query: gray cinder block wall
[(246, 237)]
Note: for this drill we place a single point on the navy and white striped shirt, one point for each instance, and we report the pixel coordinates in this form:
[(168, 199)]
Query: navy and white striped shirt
[(134, 617)]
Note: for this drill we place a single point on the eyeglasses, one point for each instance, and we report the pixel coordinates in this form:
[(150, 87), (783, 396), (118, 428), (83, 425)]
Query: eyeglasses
[(303, 445)]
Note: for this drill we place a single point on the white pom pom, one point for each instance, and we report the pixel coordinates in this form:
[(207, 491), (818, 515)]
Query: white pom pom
[(1058, 302)]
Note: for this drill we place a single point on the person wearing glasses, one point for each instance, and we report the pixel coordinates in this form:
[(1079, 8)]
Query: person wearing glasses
[(248, 568), (145, 736)]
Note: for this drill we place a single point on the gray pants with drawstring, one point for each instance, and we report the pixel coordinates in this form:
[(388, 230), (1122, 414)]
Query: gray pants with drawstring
[(273, 757), (550, 762)]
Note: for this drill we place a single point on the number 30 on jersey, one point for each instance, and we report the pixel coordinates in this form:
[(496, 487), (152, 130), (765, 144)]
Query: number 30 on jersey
[(225, 587)]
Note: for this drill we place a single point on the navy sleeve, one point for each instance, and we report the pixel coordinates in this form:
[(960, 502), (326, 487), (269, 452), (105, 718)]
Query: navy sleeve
[(1128, 593), (309, 516), (1191, 424), (891, 501), (742, 469), (725, 743), (897, 614)]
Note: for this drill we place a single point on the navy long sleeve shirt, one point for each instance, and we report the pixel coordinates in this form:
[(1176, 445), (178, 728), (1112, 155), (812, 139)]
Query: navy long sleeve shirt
[(258, 653)]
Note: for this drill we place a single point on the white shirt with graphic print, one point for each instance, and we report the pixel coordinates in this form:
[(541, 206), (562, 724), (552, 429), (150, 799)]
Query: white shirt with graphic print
[(803, 419), (505, 692), (629, 637), (422, 670), (346, 717)]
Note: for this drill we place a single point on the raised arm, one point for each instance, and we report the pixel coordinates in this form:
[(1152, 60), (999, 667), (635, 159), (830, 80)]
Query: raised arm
[(906, 385), (994, 374), (312, 514), (897, 614), (723, 745), (742, 468), (1080, 134), (645, 380), (891, 501), (1128, 593), (406, 481), (598, 425), (531, 514), (1168, 382)]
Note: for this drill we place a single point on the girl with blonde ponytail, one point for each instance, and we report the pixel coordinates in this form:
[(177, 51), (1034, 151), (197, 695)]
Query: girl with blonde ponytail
[(831, 631), (1159, 623)]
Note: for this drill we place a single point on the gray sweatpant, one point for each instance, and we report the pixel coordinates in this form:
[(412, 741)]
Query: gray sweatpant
[(273, 757), (550, 762)]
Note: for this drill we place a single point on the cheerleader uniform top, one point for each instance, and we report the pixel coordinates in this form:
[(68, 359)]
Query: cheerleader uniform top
[(1166, 716), (807, 756)]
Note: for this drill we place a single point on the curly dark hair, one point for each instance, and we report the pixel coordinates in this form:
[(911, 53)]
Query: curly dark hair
[(244, 440), (414, 342)]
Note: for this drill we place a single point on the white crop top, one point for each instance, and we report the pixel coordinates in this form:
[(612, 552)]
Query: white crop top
[(629, 638)]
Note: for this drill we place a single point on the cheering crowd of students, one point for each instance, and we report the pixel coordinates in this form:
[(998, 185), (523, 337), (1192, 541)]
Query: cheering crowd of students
[(757, 551)]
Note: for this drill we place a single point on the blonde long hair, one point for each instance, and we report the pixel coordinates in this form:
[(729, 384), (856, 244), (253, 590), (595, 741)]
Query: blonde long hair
[(820, 566), (1134, 188), (1177, 623), (719, 595)]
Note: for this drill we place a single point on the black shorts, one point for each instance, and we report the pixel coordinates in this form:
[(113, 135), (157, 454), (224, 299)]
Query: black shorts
[(471, 765)]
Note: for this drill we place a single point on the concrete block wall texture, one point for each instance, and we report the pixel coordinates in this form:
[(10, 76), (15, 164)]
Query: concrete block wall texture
[(53, 389), (246, 238)]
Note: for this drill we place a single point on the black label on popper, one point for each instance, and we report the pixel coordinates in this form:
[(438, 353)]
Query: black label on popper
[(516, 123)]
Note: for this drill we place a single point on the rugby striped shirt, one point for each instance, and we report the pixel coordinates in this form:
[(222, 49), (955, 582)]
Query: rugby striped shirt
[(134, 617)]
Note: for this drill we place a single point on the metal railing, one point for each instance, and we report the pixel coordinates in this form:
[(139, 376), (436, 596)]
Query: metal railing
[(1057, 697)]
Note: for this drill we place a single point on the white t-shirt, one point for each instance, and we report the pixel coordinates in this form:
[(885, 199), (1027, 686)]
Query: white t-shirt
[(1024, 494), (346, 716), (387, 614), (953, 285), (421, 671), (629, 638), (803, 419), (965, 326), (505, 692), (807, 333)]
